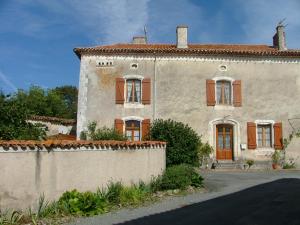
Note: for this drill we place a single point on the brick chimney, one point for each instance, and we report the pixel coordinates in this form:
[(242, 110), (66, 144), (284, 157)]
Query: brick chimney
[(139, 40), (279, 38), (181, 34)]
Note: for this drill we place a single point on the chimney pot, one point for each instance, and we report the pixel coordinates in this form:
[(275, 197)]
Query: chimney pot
[(139, 40), (181, 34)]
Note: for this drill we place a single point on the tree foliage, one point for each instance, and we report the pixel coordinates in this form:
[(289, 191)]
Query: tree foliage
[(13, 124), (103, 133), (15, 110), (58, 102), (183, 142)]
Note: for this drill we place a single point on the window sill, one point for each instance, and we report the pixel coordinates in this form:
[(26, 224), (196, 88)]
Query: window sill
[(133, 105), (264, 151), (224, 107)]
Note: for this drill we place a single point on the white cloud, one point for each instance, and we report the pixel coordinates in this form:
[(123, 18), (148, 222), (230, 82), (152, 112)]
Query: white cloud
[(7, 82), (113, 20), (105, 21), (260, 18)]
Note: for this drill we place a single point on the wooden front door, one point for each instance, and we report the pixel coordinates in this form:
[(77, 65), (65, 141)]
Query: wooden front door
[(224, 137)]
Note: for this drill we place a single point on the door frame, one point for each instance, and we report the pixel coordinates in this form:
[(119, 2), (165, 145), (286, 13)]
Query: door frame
[(236, 136)]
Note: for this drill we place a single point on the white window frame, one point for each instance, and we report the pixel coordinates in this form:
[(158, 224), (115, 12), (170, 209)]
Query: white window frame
[(265, 122), (133, 104), (231, 80)]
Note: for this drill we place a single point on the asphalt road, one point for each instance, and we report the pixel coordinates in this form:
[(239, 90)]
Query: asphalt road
[(277, 202), (233, 196)]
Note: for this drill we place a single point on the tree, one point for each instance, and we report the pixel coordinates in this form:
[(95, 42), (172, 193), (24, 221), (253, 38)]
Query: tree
[(70, 96), (58, 102), (13, 124)]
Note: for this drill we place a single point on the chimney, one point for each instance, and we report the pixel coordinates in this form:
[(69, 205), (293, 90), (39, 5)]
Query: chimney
[(139, 40), (181, 34), (279, 38)]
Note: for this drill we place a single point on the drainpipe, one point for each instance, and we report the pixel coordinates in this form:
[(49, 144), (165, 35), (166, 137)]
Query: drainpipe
[(154, 87)]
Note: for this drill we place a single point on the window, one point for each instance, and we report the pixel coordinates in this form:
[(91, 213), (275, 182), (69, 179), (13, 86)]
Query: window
[(223, 91), (264, 136), (132, 130), (133, 91)]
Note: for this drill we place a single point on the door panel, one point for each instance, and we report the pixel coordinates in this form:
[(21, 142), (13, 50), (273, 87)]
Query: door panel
[(224, 139)]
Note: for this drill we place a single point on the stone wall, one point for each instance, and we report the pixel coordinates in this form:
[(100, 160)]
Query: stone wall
[(29, 169)]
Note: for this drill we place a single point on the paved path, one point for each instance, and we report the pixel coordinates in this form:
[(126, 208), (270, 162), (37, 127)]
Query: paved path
[(230, 206)]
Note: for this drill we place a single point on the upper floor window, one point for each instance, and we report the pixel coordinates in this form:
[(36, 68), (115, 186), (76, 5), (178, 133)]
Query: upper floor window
[(133, 91), (223, 91), (132, 130)]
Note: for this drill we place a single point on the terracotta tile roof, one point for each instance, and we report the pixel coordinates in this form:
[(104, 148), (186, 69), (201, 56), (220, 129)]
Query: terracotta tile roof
[(54, 120), (193, 49), (67, 144)]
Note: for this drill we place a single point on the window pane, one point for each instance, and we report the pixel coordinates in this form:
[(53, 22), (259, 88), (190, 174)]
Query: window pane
[(227, 141), (129, 91), (137, 91), (227, 93), (220, 141), (219, 92), (259, 136), (129, 135), (136, 135)]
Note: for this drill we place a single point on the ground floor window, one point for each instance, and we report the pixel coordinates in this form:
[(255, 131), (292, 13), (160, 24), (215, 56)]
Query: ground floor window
[(264, 135), (132, 130)]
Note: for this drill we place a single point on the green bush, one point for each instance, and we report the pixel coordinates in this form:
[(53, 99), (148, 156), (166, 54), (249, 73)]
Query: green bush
[(83, 204), (103, 133), (183, 142), (180, 177)]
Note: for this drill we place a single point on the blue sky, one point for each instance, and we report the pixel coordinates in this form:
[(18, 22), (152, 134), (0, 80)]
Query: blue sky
[(37, 37)]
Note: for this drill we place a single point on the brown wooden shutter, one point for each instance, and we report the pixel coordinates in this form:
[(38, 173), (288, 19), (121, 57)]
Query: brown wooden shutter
[(119, 125), (145, 129), (237, 93), (120, 82), (210, 92), (278, 143), (251, 133), (146, 91)]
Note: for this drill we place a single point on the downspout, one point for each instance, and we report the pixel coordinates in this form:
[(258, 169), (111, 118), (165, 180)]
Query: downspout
[(154, 89)]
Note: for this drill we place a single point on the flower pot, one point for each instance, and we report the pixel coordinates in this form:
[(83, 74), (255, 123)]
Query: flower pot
[(275, 166)]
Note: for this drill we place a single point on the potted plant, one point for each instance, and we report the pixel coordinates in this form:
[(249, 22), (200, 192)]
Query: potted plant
[(276, 157), (249, 162)]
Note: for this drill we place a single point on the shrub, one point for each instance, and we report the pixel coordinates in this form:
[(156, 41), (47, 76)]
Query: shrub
[(132, 195), (250, 162), (180, 177), (113, 192), (83, 204), (204, 151), (289, 166), (183, 142), (103, 133)]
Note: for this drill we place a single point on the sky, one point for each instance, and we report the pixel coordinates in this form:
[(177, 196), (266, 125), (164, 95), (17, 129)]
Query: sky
[(37, 37)]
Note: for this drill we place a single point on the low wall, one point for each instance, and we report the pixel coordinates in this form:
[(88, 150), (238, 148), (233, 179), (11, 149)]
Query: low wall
[(28, 169), (292, 152)]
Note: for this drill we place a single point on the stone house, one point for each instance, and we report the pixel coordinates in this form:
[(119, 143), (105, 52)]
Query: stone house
[(238, 97)]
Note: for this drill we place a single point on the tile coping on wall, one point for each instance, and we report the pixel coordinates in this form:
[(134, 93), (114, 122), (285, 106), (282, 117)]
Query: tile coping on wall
[(54, 120), (49, 145)]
